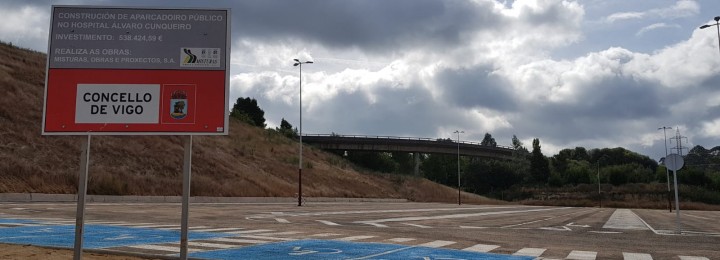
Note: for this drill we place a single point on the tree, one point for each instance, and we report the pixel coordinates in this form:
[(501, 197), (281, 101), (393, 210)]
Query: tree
[(247, 110), (287, 130), (539, 165), (488, 140)]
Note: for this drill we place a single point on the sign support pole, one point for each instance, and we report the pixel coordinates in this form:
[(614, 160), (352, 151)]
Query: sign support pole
[(187, 164), (82, 190), (677, 204)]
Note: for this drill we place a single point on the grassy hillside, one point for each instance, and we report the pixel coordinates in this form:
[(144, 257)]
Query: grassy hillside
[(248, 162)]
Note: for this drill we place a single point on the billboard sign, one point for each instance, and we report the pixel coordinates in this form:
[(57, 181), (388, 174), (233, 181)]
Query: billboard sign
[(137, 71)]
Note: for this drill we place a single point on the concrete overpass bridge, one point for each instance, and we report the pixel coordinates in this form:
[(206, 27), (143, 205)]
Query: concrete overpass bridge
[(416, 146)]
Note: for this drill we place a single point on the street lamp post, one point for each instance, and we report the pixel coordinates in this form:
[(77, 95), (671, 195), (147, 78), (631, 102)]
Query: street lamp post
[(300, 63), (598, 177), (458, 132), (667, 172), (717, 26)]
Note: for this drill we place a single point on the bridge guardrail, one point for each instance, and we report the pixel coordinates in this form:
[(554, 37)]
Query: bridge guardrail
[(403, 138)]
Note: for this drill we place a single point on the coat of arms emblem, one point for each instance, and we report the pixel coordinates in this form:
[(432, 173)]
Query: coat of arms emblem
[(178, 104)]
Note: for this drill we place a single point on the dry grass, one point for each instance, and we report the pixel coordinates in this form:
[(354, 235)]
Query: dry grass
[(248, 162)]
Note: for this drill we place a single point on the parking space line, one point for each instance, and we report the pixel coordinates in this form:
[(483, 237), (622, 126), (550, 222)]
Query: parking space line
[(329, 223), (416, 225)]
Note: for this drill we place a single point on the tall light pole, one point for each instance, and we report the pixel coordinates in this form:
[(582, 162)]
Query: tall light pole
[(667, 172), (598, 177), (300, 63), (458, 132), (717, 25)]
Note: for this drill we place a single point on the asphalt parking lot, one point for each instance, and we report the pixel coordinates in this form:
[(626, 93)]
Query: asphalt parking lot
[(547, 232)]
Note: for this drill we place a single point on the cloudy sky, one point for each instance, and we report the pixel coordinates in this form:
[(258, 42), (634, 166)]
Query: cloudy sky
[(591, 73)]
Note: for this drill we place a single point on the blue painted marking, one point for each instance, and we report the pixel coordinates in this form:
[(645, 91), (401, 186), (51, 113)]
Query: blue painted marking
[(17, 221), (327, 250), (95, 236)]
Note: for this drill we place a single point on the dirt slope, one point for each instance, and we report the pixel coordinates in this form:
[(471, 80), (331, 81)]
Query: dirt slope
[(248, 162)]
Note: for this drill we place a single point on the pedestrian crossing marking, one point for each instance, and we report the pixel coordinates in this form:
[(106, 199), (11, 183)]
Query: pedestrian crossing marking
[(682, 257), (582, 255), (325, 235), (437, 243), (354, 238), (401, 239), (530, 251), (636, 256), (481, 248)]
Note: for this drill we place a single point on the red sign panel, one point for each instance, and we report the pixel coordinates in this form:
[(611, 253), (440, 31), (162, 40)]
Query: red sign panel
[(137, 71)]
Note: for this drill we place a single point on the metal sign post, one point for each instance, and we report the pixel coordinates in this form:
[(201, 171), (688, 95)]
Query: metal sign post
[(82, 190), (675, 162), (187, 164)]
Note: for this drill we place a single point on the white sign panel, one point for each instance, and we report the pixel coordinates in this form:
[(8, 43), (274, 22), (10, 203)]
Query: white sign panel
[(117, 103)]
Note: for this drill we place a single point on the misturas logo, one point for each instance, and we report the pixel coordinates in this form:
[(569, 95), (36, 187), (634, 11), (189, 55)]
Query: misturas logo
[(200, 57)]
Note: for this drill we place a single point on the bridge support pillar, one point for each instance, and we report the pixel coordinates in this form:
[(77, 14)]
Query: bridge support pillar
[(417, 163)]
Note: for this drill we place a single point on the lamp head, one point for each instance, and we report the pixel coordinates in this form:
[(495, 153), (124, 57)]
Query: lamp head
[(296, 60), (717, 18), (705, 26), (308, 62), (297, 63)]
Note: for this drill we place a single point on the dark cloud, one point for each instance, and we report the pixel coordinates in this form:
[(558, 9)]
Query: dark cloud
[(476, 87), (367, 24)]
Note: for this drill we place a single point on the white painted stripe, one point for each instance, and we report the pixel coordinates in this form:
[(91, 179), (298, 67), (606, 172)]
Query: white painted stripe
[(452, 216), (189, 228), (636, 256), (605, 232), (279, 233), (325, 235), (481, 248), (582, 255), (437, 243), (690, 215), (282, 220), (250, 231), (625, 219), (529, 251), (383, 253), (353, 238), (401, 239), (682, 257), (133, 224), (218, 229), (373, 224), (416, 225), (269, 238), (240, 240), (170, 249), (105, 222), (473, 227), (206, 244), (329, 223)]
